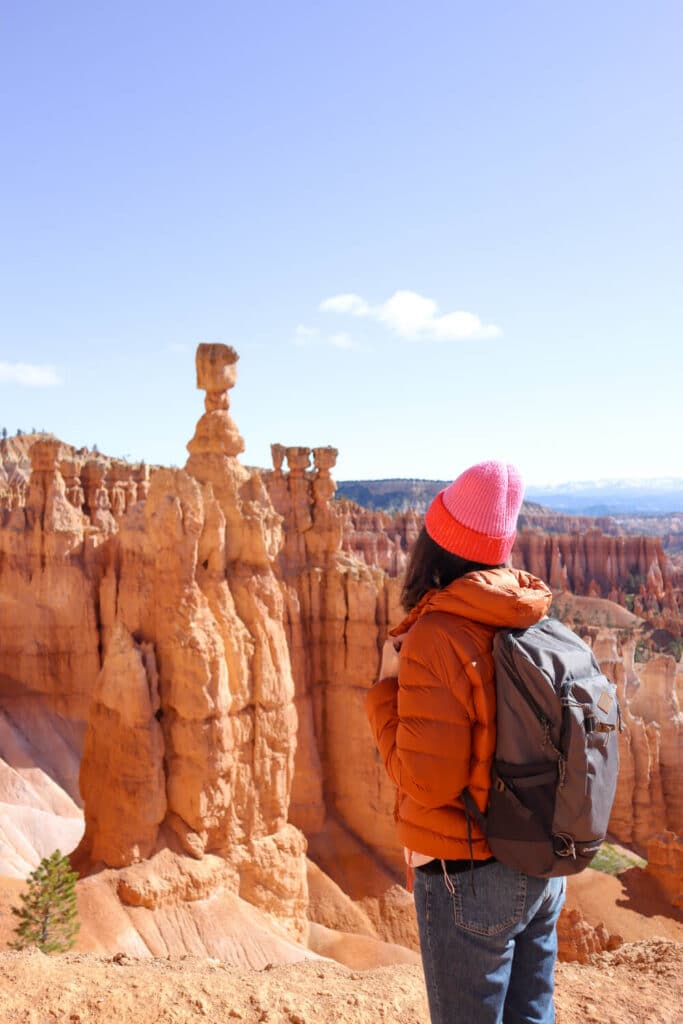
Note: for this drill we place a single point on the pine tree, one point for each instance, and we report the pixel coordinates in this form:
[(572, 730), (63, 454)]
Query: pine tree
[(47, 916)]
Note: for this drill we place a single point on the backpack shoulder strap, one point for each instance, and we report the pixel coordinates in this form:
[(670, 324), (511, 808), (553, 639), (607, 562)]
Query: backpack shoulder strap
[(503, 656)]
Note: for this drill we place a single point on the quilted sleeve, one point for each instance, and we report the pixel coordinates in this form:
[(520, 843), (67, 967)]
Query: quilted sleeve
[(421, 723)]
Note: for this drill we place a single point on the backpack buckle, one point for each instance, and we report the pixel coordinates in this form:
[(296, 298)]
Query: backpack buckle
[(564, 845), (499, 785)]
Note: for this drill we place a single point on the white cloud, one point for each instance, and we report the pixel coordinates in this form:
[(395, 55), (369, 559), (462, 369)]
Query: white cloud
[(414, 316), (453, 326), (29, 375), (348, 303), (407, 313)]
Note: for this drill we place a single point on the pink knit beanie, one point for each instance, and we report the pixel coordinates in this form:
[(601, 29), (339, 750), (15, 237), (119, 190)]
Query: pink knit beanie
[(476, 516)]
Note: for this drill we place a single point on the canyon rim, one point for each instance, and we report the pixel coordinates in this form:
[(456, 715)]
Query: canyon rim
[(184, 654)]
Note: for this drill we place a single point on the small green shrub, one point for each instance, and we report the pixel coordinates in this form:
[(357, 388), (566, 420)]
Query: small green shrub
[(675, 648), (611, 861), (642, 652), (48, 912)]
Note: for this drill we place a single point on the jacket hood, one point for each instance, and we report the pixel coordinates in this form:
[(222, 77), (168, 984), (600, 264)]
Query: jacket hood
[(504, 598)]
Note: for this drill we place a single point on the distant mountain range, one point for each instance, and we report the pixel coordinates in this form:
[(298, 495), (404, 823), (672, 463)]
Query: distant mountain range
[(591, 498), (612, 497), (391, 495)]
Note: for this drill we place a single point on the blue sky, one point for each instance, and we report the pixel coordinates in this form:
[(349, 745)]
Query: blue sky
[(176, 173)]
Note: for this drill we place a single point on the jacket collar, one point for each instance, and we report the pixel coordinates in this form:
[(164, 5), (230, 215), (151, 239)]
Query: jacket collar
[(504, 598)]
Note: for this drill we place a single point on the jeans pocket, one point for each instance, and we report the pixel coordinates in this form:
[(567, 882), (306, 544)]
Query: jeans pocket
[(495, 904)]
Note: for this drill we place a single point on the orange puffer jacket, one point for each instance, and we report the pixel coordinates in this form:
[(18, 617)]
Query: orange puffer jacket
[(435, 726)]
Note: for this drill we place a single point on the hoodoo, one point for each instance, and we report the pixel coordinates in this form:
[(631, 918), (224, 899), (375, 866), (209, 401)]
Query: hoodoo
[(197, 642)]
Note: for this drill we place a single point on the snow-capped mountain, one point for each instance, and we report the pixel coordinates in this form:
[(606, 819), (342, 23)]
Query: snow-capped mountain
[(604, 497)]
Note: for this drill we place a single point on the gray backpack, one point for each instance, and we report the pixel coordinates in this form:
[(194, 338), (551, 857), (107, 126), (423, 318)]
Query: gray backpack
[(557, 754)]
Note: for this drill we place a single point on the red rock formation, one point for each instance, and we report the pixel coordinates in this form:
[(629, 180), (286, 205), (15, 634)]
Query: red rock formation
[(379, 538), (338, 609), (656, 701), (665, 865), (594, 559), (584, 560), (122, 484), (193, 584), (640, 807), (49, 640), (122, 777), (560, 522), (217, 627), (577, 940), (161, 622), (70, 470)]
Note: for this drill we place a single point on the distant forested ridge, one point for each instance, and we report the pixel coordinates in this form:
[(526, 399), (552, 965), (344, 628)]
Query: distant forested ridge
[(391, 495), (398, 495)]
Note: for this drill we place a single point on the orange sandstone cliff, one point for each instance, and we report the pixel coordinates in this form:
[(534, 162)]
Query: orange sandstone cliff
[(197, 643), (147, 637), (194, 699)]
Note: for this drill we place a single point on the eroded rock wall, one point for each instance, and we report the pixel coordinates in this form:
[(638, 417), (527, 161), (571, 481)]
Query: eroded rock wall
[(665, 865), (626, 569), (157, 618), (633, 571), (49, 567), (217, 628), (650, 743), (338, 611), (193, 584)]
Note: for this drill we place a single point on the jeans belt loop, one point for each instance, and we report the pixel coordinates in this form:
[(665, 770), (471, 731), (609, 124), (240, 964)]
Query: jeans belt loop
[(447, 879)]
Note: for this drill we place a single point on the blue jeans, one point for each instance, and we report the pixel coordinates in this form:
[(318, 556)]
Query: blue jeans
[(489, 955)]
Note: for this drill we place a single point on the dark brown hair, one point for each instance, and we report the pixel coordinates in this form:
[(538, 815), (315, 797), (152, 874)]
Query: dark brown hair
[(431, 566)]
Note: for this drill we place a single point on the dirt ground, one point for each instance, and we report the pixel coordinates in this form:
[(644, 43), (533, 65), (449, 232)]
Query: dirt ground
[(640, 983), (630, 905)]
